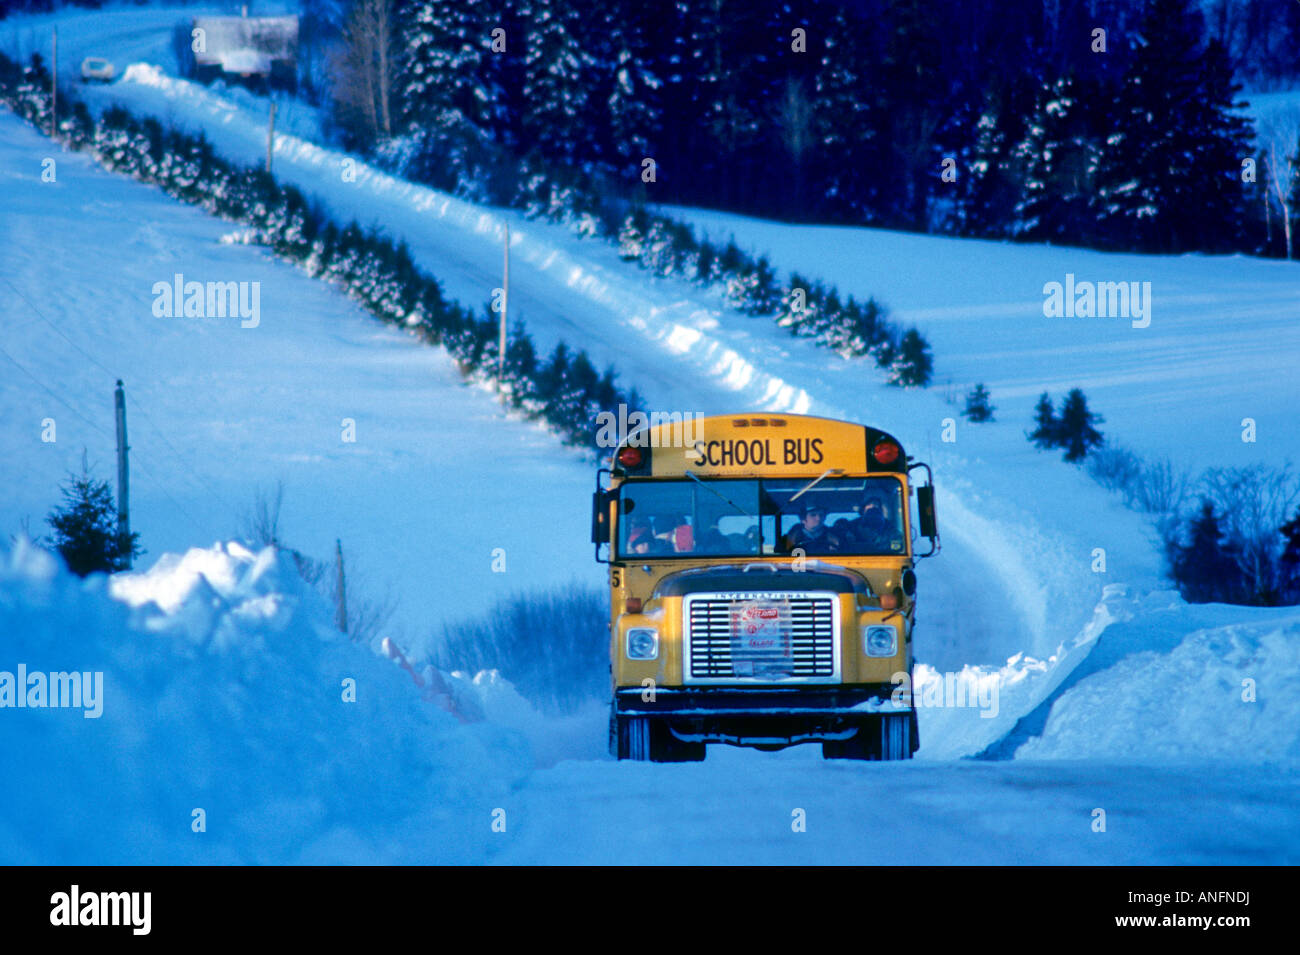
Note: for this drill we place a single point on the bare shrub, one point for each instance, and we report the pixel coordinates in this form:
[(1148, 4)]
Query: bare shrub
[(261, 523), (1115, 468), (1254, 502), (553, 645), (366, 616), (1159, 488)]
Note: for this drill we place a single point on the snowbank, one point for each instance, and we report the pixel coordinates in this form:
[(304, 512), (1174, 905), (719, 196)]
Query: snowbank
[(226, 690), (1149, 678), (977, 709), (1180, 682)]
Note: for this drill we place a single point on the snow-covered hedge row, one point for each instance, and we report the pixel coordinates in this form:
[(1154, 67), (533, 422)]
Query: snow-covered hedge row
[(450, 155), (565, 390), (809, 309)]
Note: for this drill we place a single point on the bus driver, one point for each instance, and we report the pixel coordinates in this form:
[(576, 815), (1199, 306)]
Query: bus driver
[(872, 530)]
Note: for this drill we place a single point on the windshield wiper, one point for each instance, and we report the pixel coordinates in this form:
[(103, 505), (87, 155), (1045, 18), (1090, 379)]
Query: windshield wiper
[(813, 483), (719, 494)]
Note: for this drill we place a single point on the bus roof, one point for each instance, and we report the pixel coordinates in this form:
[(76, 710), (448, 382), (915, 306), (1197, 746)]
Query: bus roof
[(755, 444)]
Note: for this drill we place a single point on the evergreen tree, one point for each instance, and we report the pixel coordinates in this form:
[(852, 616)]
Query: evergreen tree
[(630, 87), (912, 60), (715, 84), (441, 62), (1047, 431), (1169, 178), (553, 379), (1290, 559), (1056, 159), (795, 305), (632, 234), (1077, 434), (1206, 568), (85, 528), (865, 326), (521, 365), (912, 365), (989, 192), (558, 74), (978, 409), (752, 288), (843, 127)]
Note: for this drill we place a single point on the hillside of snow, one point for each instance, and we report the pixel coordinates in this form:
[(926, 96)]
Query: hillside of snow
[(1219, 348), (217, 413)]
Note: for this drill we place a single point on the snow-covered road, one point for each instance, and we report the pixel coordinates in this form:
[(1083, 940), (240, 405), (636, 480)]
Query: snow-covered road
[(896, 814)]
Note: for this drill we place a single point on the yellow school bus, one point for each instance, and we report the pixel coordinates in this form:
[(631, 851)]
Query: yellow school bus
[(762, 590)]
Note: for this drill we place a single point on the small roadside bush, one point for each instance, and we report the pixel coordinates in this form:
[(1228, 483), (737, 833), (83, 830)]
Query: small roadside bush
[(85, 528), (553, 645)]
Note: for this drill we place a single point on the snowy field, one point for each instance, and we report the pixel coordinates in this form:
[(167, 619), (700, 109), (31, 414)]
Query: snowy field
[(1220, 346), (1113, 693), (218, 413)]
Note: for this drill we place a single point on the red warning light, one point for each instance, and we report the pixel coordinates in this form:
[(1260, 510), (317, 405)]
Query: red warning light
[(630, 457), (886, 452)]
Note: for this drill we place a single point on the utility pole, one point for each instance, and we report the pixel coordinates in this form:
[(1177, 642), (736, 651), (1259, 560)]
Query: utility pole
[(505, 299), (270, 138), (341, 610), (123, 491), (54, 87)]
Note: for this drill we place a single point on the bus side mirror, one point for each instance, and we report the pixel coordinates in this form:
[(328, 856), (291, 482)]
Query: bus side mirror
[(925, 509), (600, 517)]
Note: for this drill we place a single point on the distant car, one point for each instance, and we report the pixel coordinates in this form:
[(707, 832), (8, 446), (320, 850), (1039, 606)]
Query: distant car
[(97, 68)]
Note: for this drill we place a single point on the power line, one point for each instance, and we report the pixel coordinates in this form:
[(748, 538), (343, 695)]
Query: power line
[(134, 404), (39, 314), (143, 470), (53, 394)]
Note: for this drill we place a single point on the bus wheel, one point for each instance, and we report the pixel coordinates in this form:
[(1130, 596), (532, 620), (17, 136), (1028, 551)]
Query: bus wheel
[(878, 738), (641, 738), (629, 737), (896, 736)]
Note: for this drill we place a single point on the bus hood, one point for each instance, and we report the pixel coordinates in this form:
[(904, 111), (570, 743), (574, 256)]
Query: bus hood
[(762, 577)]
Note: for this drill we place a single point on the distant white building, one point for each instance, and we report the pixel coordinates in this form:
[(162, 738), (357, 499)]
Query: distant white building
[(248, 49)]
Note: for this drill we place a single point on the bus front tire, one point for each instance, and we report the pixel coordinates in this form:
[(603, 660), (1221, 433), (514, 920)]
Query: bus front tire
[(886, 737), (643, 739)]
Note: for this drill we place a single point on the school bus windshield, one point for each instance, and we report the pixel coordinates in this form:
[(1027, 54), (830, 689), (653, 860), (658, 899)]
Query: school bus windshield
[(754, 517)]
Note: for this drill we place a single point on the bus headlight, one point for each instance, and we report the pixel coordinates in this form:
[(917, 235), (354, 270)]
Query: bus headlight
[(881, 641), (642, 643)]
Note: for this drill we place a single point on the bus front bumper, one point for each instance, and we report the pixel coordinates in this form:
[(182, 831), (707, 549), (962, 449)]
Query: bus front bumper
[(763, 714)]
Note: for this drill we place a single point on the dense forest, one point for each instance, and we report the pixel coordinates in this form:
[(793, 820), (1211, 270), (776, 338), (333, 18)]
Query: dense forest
[(1112, 125)]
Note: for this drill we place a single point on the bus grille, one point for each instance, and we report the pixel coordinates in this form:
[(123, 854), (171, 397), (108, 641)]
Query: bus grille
[(807, 651)]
